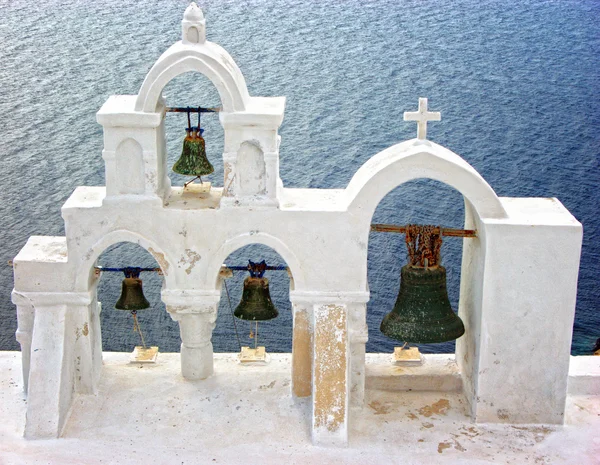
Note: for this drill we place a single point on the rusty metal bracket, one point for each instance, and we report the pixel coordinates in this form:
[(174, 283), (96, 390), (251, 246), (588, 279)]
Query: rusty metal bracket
[(448, 232)]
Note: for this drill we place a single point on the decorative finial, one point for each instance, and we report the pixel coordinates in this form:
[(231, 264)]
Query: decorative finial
[(193, 25), (422, 117)]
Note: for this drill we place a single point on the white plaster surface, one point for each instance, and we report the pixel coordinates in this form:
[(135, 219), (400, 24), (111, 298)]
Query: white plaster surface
[(518, 277), (245, 415), (584, 376)]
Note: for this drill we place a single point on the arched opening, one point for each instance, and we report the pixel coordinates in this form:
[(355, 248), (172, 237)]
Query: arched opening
[(117, 325), (276, 334), (421, 201), (193, 89)]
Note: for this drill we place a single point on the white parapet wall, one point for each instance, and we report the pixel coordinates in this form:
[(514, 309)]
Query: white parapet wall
[(518, 280)]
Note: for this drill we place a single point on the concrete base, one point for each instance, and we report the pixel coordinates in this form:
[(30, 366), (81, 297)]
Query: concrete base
[(245, 414), (141, 355), (409, 356), (256, 356)]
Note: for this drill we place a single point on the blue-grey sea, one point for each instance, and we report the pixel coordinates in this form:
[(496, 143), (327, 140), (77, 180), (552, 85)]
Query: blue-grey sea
[(517, 82)]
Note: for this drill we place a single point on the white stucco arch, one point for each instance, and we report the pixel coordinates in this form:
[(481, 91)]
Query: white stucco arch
[(237, 242), (209, 59), (85, 269), (410, 160)]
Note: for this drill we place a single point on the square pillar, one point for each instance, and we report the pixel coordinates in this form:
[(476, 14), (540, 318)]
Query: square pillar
[(302, 350), (524, 294), (358, 334), (60, 361), (330, 375), (134, 151), (24, 333)]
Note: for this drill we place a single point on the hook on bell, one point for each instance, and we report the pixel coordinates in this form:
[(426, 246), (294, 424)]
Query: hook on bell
[(422, 313), (132, 295), (193, 160), (256, 304)]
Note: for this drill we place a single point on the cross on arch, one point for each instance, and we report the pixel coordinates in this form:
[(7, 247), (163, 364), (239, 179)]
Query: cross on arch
[(422, 117)]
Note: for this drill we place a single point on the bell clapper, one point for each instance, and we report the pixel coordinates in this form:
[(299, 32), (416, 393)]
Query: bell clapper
[(142, 354), (137, 328), (191, 181)]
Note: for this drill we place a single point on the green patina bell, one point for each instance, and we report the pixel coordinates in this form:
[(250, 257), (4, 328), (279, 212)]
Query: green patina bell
[(193, 161), (256, 304), (422, 313), (132, 296)]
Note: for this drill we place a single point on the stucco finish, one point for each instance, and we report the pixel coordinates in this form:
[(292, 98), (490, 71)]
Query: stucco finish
[(522, 266)]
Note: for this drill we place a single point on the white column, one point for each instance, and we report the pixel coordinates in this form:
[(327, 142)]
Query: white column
[(518, 351), (196, 312), (358, 337), (25, 318), (57, 360), (330, 375)]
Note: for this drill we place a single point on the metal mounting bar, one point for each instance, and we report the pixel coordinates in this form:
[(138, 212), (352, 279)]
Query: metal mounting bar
[(126, 269), (450, 232), (245, 268), (102, 269), (193, 110)]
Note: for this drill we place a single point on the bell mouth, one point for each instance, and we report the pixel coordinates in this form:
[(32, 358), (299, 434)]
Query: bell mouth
[(442, 330)]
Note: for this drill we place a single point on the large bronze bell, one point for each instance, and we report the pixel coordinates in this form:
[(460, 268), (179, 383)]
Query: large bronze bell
[(422, 313), (193, 160), (256, 304), (132, 295)]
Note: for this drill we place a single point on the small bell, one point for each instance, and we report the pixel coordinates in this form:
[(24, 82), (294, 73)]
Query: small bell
[(256, 304), (132, 295), (193, 160)]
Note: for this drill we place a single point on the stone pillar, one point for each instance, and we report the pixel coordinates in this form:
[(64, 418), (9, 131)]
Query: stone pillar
[(57, 361), (25, 318), (515, 356), (330, 375), (196, 312), (302, 349), (358, 336), (134, 151)]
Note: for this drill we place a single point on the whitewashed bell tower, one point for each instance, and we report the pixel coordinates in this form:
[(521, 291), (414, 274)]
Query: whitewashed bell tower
[(520, 266), (134, 133)]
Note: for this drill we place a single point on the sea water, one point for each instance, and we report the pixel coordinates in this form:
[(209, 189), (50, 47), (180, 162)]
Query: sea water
[(517, 83)]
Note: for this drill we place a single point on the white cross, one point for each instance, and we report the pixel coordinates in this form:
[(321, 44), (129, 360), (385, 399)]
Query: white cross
[(422, 116)]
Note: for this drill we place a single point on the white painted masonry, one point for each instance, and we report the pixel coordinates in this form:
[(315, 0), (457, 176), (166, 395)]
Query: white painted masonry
[(518, 279)]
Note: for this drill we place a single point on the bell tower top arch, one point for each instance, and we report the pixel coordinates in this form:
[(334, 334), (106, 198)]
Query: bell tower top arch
[(195, 53), (251, 124)]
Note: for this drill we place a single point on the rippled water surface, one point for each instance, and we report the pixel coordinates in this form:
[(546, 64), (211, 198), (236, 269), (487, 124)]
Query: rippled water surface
[(518, 85)]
